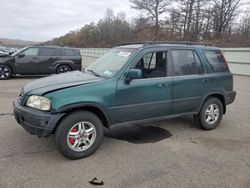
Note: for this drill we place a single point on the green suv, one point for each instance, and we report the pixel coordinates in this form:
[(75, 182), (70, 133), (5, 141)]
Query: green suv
[(130, 84)]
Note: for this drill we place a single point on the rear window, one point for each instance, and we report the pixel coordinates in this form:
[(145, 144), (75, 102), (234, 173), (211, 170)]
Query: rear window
[(216, 60), (71, 52), (46, 52)]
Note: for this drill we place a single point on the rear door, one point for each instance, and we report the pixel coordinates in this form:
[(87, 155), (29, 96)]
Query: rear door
[(29, 63), (190, 83), (47, 58)]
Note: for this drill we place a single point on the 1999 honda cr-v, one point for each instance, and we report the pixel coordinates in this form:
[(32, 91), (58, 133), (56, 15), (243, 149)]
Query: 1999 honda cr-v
[(129, 84)]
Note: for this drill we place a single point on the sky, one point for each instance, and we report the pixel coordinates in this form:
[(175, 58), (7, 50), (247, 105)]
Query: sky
[(42, 20)]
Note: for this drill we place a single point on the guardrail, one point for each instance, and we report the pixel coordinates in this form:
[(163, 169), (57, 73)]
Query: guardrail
[(238, 58)]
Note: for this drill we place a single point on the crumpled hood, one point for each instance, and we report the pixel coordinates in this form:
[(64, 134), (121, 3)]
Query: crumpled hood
[(60, 81)]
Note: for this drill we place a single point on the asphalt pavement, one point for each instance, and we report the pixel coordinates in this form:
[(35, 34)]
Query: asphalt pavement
[(171, 153)]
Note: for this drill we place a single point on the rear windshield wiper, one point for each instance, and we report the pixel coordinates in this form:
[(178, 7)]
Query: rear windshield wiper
[(93, 72)]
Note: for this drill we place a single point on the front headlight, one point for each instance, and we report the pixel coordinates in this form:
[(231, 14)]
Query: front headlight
[(38, 102)]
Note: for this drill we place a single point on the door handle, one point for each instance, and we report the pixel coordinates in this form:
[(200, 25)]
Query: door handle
[(205, 80), (162, 85)]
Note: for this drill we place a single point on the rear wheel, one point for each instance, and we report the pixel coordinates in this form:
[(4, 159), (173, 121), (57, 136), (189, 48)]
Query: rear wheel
[(210, 114), (79, 134), (5, 72), (63, 68)]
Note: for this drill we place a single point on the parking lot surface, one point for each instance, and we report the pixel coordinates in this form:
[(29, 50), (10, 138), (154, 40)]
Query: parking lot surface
[(171, 153)]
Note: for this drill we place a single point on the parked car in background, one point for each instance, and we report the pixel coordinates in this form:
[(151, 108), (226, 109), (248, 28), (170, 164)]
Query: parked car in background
[(3, 54), (129, 84), (40, 60)]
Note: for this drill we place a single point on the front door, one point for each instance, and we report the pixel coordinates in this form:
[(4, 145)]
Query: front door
[(29, 63), (148, 97)]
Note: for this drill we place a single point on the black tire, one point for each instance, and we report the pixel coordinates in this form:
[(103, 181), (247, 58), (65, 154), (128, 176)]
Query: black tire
[(63, 69), (5, 72), (202, 118), (66, 125)]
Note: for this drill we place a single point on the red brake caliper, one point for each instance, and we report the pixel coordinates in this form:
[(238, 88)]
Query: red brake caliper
[(72, 140)]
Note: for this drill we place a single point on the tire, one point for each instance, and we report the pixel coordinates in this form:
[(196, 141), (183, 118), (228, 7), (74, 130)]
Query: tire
[(73, 143), (63, 69), (5, 72), (210, 114)]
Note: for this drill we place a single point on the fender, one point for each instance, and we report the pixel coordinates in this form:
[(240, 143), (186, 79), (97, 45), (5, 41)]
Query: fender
[(70, 63), (83, 105), (222, 93)]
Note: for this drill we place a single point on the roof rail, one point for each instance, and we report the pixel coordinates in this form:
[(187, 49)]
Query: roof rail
[(178, 42), (131, 43), (168, 42)]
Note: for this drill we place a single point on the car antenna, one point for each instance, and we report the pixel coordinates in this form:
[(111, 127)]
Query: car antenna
[(155, 37)]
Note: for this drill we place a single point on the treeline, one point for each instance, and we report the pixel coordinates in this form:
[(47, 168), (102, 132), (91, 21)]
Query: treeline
[(219, 22)]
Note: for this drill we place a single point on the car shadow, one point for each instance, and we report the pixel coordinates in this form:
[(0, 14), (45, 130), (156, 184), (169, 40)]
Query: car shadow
[(138, 134), (148, 132)]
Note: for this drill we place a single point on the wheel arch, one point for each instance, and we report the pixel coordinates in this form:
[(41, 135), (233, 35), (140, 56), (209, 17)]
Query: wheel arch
[(94, 108), (10, 66), (60, 63), (218, 95)]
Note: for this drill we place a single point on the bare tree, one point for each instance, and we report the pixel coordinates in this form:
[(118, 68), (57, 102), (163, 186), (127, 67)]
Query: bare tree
[(154, 9), (224, 11)]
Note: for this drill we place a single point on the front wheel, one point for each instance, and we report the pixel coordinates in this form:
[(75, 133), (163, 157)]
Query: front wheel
[(79, 134), (210, 114), (5, 72)]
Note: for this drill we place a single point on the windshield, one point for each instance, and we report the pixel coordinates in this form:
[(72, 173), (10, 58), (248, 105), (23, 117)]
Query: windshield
[(110, 63)]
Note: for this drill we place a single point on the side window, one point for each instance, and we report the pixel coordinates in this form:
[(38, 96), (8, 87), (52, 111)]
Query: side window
[(153, 64), (216, 60), (77, 53), (58, 52), (149, 60), (69, 52), (31, 52), (46, 52), (186, 62)]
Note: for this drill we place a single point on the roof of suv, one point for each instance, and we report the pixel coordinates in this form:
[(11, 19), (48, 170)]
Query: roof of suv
[(170, 44)]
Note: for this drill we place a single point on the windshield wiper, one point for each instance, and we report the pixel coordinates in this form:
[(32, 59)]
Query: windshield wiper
[(93, 72)]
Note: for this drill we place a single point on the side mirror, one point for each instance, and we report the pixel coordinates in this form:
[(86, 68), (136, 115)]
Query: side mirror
[(133, 74), (20, 55)]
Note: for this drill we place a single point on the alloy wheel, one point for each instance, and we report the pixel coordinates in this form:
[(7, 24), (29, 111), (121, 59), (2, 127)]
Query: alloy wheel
[(212, 113), (81, 136), (4, 72)]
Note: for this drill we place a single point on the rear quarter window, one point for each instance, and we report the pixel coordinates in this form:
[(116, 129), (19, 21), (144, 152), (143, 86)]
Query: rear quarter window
[(216, 60), (71, 52)]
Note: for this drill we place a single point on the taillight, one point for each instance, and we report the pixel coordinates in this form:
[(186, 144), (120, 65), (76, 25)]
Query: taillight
[(224, 60)]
